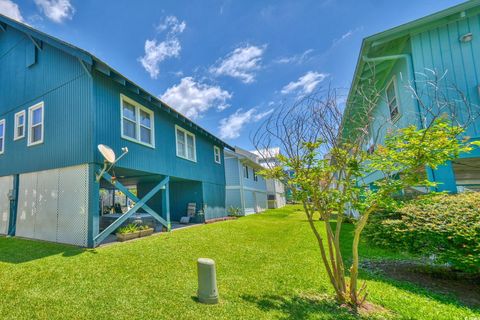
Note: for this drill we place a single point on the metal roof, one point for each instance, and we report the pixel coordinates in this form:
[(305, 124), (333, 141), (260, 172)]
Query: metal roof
[(91, 62)]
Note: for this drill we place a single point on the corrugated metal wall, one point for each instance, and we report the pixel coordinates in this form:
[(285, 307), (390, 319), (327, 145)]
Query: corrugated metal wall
[(159, 160), (53, 205), (214, 200), (440, 49), (59, 80)]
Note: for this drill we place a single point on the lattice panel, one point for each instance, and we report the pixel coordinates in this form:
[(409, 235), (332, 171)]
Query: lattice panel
[(6, 184), (27, 203), (53, 205), (73, 205)]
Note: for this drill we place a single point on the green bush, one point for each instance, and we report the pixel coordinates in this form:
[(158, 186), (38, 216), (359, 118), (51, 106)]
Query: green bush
[(446, 227)]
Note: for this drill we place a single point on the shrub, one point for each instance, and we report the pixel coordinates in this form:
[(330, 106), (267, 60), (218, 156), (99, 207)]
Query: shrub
[(130, 228), (445, 227)]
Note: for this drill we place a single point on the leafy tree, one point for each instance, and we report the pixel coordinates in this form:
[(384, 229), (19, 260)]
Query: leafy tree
[(332, 162)]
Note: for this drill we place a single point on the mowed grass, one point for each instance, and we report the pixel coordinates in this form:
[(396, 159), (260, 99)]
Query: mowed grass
[(268, 267)]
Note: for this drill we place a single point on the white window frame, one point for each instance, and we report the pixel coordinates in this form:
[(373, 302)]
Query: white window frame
[(186, 133), (138, 125), (39, 105), (216, 151), (2, 134), (17, 125), (395, 90), (255, 176)]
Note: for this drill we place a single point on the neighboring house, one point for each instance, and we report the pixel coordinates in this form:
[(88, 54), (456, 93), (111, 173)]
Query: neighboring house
[(58, 102), (447, 42), (275, 188), (246, 189)]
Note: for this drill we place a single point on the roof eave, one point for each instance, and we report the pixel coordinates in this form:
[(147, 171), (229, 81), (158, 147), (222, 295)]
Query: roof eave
[(103, 67)]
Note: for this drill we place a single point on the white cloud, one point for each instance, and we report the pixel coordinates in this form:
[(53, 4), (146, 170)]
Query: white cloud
[(192, 98), (172, 24), (231, 126), (56, 10), (11, 10), (295, 59), (345, 36), (305, 84), (157, 51), (241, 63)]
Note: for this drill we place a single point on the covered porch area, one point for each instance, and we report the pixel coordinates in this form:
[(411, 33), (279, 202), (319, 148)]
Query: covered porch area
[(144, 199)]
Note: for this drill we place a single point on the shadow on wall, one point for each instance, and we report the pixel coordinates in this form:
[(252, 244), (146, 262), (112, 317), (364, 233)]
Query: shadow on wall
[(16, 250)]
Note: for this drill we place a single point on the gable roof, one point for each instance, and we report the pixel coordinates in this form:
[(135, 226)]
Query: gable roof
[(392, 42), (91, 62)]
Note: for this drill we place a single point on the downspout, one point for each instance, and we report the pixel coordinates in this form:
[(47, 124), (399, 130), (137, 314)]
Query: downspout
[(12, 226)]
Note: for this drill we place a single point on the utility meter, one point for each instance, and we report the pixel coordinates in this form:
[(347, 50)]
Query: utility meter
[(11, 195)]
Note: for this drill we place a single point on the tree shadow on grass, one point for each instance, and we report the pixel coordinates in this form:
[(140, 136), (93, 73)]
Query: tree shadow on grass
[(422, 285), (301, 306), (16, 250)]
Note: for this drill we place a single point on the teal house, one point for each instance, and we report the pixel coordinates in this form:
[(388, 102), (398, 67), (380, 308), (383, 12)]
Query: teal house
[(445, 44), (57, 104)]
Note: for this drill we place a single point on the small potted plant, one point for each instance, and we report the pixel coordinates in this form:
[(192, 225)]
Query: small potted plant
[(145, 230), (128, 232), (234, 212)]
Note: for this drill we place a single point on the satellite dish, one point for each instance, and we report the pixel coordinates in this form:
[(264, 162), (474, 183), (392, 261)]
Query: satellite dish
[(109, 156), (107, 153)]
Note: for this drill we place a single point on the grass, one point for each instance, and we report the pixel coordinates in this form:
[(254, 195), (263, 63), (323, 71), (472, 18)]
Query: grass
[(268, 267)]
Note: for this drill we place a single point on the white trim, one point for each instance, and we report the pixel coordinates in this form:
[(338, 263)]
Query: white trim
[(138, 125), (16, 125), (186, 132), (395, 89), (4, 123), (215, 150), (39, 105), (237, 187)]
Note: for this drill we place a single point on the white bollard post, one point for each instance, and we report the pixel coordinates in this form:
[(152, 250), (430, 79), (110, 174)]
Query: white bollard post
[(207, 281)]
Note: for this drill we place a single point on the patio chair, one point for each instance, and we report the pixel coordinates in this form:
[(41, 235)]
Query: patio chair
[(191, 210)]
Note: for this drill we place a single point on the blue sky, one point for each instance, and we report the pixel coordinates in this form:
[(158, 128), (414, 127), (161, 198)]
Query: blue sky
[(225, 64)]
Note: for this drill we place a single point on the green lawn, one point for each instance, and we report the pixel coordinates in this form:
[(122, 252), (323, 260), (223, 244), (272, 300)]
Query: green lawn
[(268, 268)]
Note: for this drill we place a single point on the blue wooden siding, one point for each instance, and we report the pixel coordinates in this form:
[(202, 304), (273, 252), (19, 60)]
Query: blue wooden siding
[(159, 160), (233, 198), (249, 182), (232, 173), (62, 84), (440, 49)]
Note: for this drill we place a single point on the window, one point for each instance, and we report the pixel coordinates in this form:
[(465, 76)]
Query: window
[(19, 125), (137, 122), (35, 124), (2, 136), (255, 177), (245, 171), (185, 144), (216, 154), (392, 100)]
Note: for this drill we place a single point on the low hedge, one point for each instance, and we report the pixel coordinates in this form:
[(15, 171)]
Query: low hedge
[(445, 227)]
